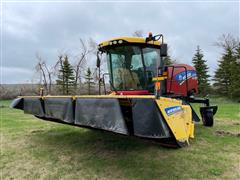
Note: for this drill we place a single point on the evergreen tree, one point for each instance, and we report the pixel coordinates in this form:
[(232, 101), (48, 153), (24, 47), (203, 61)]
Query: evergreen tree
[(235, 88), (89, 80), (66, 77), (202, 72), (227, 76), (222, 76), (168, 61)]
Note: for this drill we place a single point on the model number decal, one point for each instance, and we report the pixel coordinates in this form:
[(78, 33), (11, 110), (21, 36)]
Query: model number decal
[(183, 76), (172, 110)]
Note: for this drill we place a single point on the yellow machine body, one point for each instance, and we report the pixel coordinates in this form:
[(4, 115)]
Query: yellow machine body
[(181, 122)]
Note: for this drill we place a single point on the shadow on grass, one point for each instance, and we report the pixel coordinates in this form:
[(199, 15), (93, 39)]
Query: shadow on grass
[(80, 138), (99, 152)]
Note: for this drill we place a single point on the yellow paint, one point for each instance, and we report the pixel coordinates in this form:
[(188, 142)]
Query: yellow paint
[(112, 96), (180, 122), (139, 40), (113, 93), (161, 78), (165, 73), (29, 96), (118, 96)]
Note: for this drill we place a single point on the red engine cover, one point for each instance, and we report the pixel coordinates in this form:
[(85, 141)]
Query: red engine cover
[(179, 83)]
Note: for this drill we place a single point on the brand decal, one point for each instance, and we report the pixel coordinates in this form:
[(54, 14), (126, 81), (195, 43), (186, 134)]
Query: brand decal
[(172, 110), (183, 76)]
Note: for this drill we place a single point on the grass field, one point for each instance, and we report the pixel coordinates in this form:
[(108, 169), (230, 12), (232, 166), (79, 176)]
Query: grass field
[(32, 149)]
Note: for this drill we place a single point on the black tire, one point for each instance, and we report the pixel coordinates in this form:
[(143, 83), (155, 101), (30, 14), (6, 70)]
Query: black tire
[(207, 119)]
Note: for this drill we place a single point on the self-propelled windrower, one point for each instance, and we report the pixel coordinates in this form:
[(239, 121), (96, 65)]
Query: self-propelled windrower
[(147, 100)]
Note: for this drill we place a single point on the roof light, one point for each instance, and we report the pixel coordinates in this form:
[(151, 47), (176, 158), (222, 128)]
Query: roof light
[(114, 42), (120, 41)]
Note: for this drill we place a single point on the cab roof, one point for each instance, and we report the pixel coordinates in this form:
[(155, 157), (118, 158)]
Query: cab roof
[(127, 40)]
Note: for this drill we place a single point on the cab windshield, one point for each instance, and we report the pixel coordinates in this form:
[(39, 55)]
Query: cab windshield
[(132, 67)]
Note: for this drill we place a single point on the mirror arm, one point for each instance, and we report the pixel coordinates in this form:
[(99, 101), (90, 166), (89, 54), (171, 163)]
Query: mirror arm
[(98, 60), (99, 72)]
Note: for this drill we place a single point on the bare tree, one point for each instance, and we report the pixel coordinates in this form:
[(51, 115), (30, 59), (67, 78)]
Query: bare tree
[(45, 72), (59, 62), (80, 62), (138, 33), (40, 69), (227, 41), (93, 46)]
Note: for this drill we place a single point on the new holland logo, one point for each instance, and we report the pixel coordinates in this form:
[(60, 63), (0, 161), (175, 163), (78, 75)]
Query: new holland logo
[(183, 76), (172, 110)]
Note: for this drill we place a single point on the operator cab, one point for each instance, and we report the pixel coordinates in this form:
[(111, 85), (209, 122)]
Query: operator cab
[(132, 63)]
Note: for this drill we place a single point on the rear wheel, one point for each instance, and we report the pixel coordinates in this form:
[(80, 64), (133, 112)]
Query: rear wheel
[(207, 118)]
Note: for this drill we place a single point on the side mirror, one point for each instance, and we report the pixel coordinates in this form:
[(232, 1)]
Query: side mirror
[(98, 61), (163, 50)]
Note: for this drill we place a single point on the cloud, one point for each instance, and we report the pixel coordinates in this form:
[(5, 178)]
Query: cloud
[(49, 28), (11, 75)]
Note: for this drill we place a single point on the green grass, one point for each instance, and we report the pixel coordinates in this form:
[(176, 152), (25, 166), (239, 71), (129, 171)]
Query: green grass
[(226, 108), (32, 149)]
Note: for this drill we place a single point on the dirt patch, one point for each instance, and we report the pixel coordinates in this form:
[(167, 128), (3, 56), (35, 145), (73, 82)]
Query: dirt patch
[(225, 122), (226, 133), (203, 142)]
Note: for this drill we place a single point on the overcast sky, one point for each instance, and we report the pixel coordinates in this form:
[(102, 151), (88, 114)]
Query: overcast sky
[(49, 28)]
